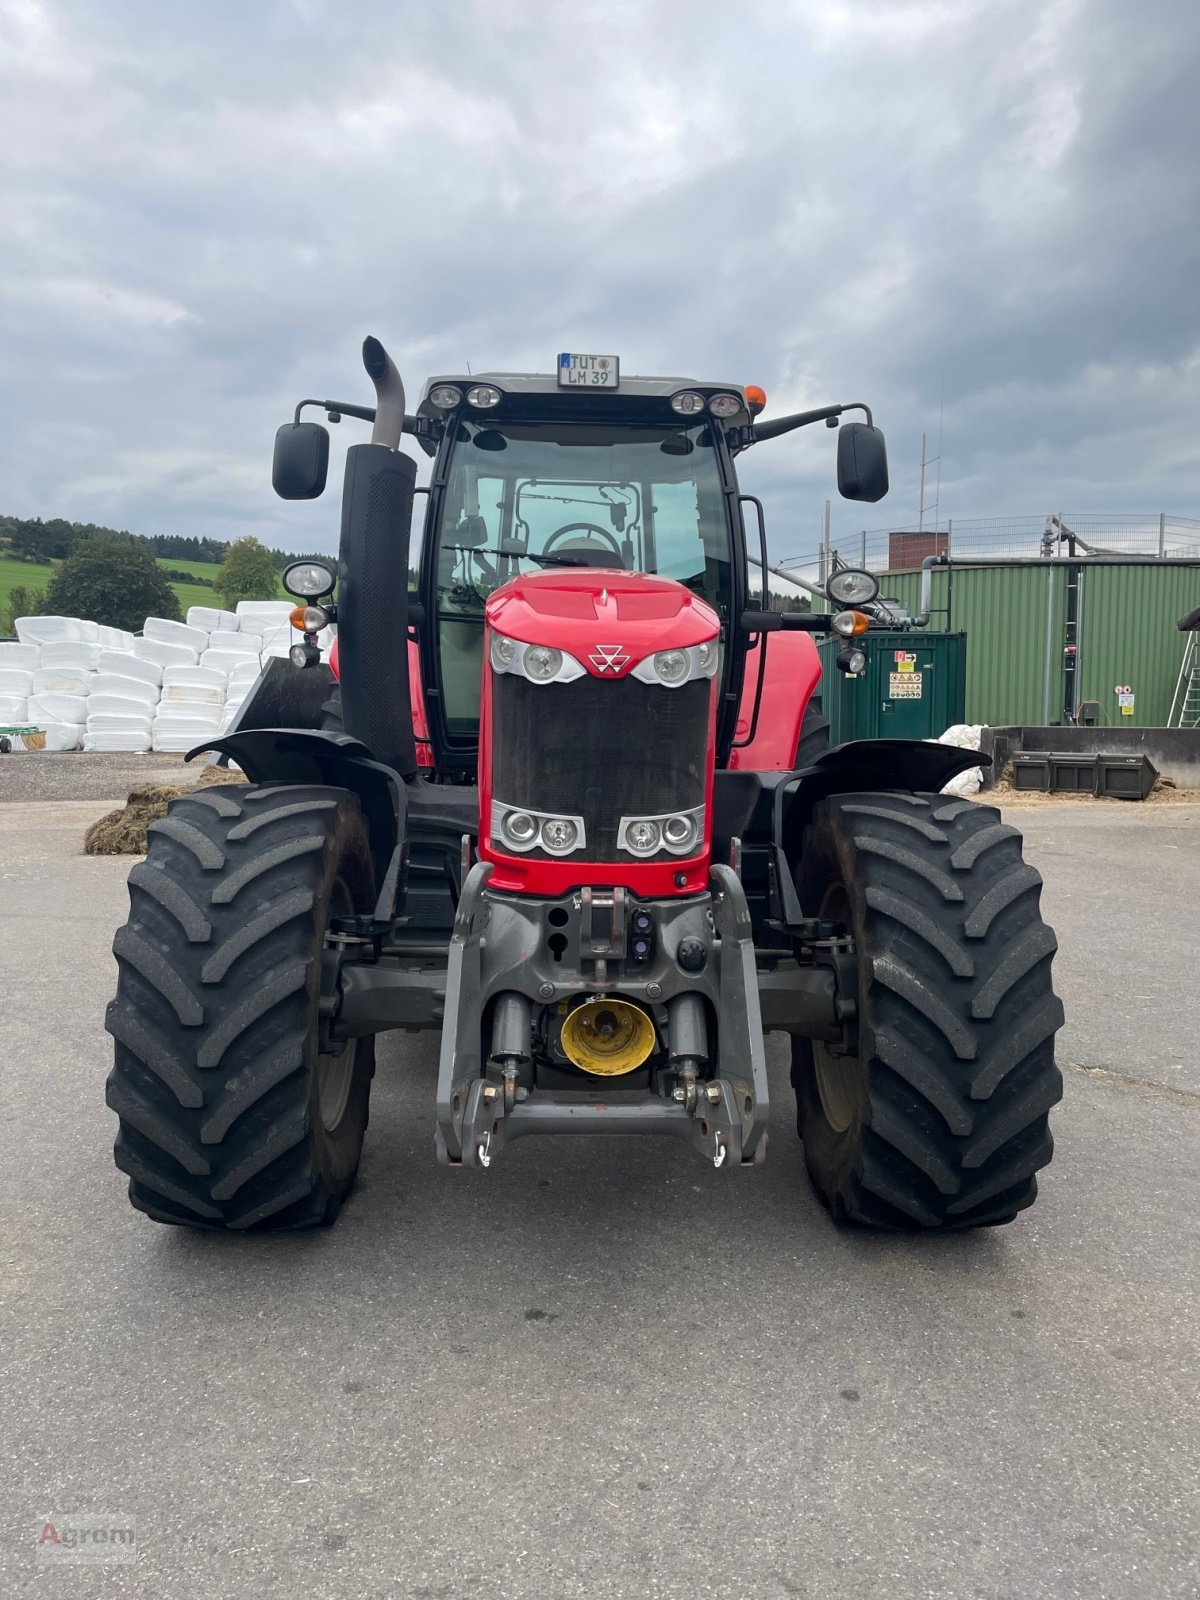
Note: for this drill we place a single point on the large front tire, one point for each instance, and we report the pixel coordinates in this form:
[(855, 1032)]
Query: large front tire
[(939, 1119), (230, 1115)]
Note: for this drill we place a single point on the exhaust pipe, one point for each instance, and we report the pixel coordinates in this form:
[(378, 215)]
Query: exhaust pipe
[(377, 501)]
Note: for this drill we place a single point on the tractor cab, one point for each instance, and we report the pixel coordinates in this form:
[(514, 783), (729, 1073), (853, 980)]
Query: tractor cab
[(536, 476)]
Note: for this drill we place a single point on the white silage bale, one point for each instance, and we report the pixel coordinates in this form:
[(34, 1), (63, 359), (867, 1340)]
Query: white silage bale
[(14, 708), (136, 741), (189, 695), (130, 666), (245, 644), (74, 655), (125, 686), (131, 720), (119, 705), (210, 618), (164, 631), (89, 632), (60, 736), (21, 657), (61, 680), (204, 676), (263, 608), (47, 630), (223, 662), (57, 708), (163, 654), (244, 674), (15, 680)]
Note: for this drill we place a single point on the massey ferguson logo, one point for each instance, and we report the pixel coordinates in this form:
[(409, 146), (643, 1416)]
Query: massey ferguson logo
[(609, 658)]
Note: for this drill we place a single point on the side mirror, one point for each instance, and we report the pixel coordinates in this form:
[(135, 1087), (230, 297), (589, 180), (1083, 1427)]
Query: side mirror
[(862, 469), (300, 463)]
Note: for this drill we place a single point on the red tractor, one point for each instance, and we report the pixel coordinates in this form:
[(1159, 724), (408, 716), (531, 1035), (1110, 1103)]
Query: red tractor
[(573, 805)]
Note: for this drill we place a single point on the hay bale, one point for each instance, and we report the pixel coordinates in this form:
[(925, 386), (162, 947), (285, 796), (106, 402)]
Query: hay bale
[(123, 832)]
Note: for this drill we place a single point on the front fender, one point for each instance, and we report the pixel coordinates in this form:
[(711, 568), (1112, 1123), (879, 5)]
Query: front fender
[(863, 766), (309, 755)]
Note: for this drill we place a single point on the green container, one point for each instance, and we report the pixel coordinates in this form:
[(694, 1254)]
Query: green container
[(914, 687)]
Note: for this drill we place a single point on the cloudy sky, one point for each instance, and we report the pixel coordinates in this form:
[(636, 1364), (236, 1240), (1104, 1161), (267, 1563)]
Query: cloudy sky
[(986, 209)]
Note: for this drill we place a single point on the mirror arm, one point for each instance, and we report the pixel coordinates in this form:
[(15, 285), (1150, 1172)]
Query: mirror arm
[(421, 426), (801, 419)]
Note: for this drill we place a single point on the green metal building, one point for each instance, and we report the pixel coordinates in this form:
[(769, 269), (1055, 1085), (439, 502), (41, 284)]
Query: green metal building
[(1015, 618)]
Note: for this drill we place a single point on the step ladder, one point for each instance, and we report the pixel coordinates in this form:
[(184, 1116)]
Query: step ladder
[(1185, 705)]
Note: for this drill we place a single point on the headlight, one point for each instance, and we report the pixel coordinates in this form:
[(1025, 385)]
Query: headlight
[(308, 580), (484, 396), (539, 663), (542, 662), (445, 396), (725, 405), (852, 587), (503, 652), (673, 667), (559, 835), (520, 829), (642, 837), (688, 403), (515, 828), (677, 832)]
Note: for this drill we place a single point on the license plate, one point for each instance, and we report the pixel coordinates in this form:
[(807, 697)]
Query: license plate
[(588, 372)]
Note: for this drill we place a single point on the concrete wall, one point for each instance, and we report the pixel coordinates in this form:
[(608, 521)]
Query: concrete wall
[(1175, 752)]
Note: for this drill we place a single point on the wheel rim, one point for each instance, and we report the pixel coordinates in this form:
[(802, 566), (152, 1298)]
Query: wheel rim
[(335, 1070), (837, 1076)]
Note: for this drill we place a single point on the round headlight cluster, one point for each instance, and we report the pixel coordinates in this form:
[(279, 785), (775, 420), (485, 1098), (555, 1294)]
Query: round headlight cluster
[(688, 403), (484, 396), (520, 830), (673, 667), (539, 663), (445, 396), (677, 832)]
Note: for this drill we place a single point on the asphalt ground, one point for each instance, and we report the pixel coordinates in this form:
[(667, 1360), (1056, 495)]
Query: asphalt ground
[(602, 1369)]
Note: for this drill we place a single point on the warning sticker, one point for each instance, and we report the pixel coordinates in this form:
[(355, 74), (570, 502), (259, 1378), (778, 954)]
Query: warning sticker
[(905, 684)]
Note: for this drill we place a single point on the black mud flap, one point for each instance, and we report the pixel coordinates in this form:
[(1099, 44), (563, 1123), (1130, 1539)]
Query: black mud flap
[(306, 755), (285, 696)]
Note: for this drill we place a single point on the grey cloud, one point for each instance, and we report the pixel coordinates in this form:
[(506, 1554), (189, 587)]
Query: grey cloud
[(987, 205)]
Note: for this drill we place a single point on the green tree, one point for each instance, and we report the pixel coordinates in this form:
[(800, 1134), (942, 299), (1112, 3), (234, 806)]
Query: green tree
[(247, 573), (23, 602), (113, 580)]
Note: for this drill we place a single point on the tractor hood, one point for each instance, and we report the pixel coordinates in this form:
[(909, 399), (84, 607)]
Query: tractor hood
[(609, 620)]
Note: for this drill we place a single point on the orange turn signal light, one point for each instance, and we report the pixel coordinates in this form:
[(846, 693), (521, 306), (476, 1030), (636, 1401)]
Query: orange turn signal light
[(296, 617), (861, 621), (756, 398)]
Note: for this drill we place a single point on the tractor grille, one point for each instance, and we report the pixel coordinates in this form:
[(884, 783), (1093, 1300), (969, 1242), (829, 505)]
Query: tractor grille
[(601, 749)]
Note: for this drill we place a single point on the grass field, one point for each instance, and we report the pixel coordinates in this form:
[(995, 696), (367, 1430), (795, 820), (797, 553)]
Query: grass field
[(14, 573)]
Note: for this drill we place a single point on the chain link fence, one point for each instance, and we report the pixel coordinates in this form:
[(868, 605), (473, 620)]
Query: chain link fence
[(977, 538)]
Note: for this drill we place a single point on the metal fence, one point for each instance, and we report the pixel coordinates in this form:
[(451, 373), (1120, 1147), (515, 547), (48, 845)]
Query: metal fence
[(901, 549)]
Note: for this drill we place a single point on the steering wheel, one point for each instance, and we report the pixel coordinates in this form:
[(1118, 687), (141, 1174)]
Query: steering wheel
[(582, 527)]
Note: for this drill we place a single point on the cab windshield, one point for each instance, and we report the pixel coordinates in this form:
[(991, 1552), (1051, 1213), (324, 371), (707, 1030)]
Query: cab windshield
[(524, 497)]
